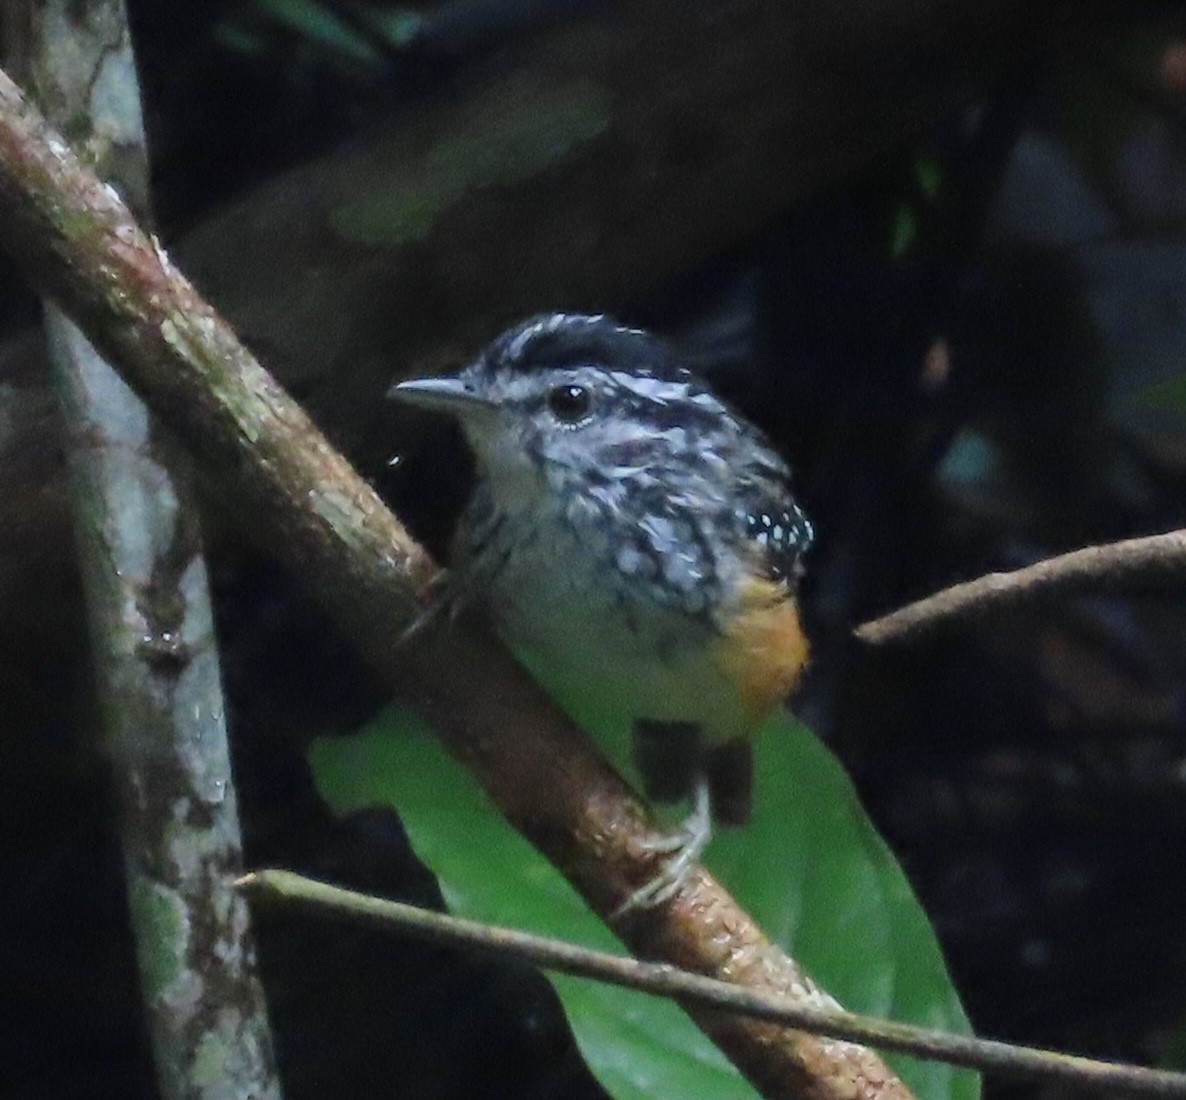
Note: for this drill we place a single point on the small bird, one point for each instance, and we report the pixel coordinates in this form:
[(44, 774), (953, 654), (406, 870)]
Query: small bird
[(630, 530)]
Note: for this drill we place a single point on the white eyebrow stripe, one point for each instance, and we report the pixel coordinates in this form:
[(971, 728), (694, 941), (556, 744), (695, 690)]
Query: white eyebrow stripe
[(645, 385), (663, 391)]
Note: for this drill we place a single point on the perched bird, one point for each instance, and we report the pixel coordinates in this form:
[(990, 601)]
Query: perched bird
[(631, 531)]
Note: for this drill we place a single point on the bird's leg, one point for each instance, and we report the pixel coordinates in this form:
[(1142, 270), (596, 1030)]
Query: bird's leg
[(449, 591), (437, 596), (668, 756), (685, 847), (730, 771)]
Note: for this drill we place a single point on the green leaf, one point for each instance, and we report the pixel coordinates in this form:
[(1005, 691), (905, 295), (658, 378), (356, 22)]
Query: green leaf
[(316, 22), (905, 230), (521, 127), (810, 868), (488, 872), (1168, 394), (1175, 1055), (400, 27), (929, 174)]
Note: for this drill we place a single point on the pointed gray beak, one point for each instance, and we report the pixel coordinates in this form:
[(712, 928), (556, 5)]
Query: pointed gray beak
[(442, 395)]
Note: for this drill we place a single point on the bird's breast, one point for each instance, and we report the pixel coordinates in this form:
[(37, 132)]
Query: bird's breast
[(590, 624)]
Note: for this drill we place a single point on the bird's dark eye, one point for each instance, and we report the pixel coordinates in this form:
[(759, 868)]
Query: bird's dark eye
[(568, 403)]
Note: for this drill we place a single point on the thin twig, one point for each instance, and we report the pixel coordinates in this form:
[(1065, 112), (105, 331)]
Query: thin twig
[(156, 658), (661, 980), (75, 240), (1131, 566)]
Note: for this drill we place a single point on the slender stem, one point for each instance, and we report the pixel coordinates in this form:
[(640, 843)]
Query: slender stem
[(1133, 565), (660, 980), (152, 624), (74, 240)]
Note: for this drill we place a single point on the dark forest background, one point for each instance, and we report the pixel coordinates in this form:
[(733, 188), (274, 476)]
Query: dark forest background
[(947, 275)]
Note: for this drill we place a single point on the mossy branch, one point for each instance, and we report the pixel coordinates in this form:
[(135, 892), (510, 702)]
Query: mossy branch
[(148, 603)]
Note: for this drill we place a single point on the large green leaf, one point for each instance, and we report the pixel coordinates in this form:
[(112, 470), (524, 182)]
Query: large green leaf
[(810, 868)]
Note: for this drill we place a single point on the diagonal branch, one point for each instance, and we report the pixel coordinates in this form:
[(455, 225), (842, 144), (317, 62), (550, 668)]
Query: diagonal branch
[(76, 242), (1133, 565)]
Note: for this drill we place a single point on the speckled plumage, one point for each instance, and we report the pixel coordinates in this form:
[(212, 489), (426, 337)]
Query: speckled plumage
[(663, 482), (625, 545)]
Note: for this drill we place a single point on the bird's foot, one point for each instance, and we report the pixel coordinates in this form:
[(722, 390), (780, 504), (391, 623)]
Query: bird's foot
[(684, 848), (439, 596)]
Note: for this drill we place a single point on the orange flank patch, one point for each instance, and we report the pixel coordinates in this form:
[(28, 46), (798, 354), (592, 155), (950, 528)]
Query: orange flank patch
[(764, 649)]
